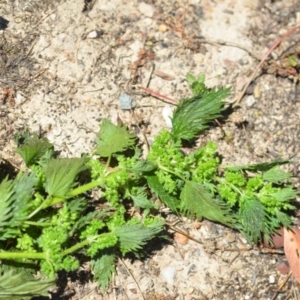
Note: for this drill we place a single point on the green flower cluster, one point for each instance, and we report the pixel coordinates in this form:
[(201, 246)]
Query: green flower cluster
[(40, 175), (206, 163), (237, 187), (171, 162)]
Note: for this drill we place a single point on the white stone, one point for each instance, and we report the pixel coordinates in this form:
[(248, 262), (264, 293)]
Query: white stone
[(250, 100), (168, 274), (94, 34), (146, 9), (19, 99), (272, 279), (167, 114)]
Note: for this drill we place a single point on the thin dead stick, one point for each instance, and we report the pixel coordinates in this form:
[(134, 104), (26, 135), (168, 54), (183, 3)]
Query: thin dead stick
[(276, 44), (282, 285), (172, 101), (129, 272), (159, 96), (141, 130), (229, 44), (150, 75), (44, 18), (176, 229)]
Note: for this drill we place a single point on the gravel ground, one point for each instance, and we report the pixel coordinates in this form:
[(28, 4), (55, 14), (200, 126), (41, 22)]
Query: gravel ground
[(64, 65)]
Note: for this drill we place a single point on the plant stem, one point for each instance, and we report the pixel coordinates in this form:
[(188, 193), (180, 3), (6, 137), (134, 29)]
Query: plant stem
[(223, 180), (172, 172), (75, 192), (20, 255), (42, 255), (38, 223), (43, 205), (108, 162), (82, 189), (79, 245)]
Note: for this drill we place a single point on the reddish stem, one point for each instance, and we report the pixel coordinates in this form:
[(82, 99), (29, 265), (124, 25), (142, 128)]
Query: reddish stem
[(275, 45), (160, 96)]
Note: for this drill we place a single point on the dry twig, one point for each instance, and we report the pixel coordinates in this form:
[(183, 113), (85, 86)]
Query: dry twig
[(129, 272), (274, 46)]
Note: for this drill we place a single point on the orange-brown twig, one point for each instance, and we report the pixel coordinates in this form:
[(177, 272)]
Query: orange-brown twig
[(159, 96), (275, 45)]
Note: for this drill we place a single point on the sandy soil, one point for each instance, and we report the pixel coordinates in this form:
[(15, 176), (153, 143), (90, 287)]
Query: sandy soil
[(65, 65)]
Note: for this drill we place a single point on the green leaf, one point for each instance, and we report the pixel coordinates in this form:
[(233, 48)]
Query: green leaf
[(190, 78), (283, 219), (252, 216), (21, 286), (15, 204), (23, 189), (262, 167), (285, 194), (6, 209), (197, 200), (143, 166), (87, 219), (276, 175), (133, 237), (103, 269), (61, 174), (113, 139), (193, 115), (32, 148), (141, 200), (292, 60), (197, 85), (157, 188)]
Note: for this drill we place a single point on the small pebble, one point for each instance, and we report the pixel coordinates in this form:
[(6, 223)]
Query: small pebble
[(57, 132), (94, 34), (283, 268), (167, 114), (180, 238), (86, 79), (19, 99), (272, 279), (250, 101), (250, 89), (146, 9), (125, 101), (168, 274), (163, 28), (256, 92), (230, 237), (132, 287)]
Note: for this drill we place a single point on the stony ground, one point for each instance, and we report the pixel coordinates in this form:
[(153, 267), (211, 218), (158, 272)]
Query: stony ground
[(64, 64)]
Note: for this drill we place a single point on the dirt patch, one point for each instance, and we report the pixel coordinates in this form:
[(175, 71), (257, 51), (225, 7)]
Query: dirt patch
[(65, 65)]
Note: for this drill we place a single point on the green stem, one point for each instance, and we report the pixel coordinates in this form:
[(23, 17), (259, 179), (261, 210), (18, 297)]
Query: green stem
[(89, 186), (75, 192), (78, 246), (172, 172), (82, 189), (223, 180), (21, 255), (38, 224), (42, 255), (108, 162), (43, 205)]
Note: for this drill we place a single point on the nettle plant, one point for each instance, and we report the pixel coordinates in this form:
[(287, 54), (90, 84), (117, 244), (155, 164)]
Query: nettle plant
[(49, 221)]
